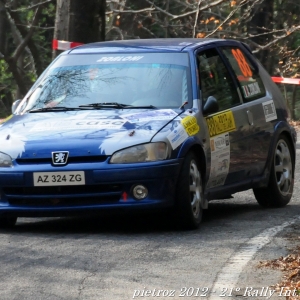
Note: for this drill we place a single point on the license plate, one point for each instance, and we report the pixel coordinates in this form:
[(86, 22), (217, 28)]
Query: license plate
[(58, 178)]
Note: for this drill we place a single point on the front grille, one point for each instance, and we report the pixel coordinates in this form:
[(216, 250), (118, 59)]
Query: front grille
[(76, 159), (64, 201), (61, 190), (63, 195)]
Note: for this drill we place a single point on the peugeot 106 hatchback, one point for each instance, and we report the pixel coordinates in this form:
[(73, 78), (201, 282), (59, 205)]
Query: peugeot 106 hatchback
[(146, 124)]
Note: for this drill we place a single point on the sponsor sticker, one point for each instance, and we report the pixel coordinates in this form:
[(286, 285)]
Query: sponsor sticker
[(251, 89), (220, 160), (269, 110), (177, 136), (119, 58), (155, 115), (220, 123), (190, 125), (80, 125)]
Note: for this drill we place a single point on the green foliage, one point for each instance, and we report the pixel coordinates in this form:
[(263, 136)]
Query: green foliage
[(5, 76), (7, 86), (44, 37), (32, 61)]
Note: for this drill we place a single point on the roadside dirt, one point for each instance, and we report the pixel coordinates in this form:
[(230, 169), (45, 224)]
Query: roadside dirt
[(289, 265), (296, 124)]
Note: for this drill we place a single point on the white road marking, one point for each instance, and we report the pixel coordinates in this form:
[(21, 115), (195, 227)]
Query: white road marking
[(229, 275)]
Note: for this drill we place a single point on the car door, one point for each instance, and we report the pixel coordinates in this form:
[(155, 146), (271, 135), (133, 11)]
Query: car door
[(260, 107), (229, 127)]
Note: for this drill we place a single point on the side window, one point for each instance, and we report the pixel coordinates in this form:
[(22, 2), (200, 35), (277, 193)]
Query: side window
[(215, 79), (251, 84)]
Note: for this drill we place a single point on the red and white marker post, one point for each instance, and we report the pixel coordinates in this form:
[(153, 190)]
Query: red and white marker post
[(286, 80), (64, 45)]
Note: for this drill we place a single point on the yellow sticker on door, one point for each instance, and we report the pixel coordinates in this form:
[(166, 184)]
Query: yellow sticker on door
[(190, 125), (220, 123)]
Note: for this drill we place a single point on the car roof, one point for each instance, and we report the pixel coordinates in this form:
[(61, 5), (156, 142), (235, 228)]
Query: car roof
[(144, 45)]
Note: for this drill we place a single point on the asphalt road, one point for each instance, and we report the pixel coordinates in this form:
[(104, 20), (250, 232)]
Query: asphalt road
[(138, 257)]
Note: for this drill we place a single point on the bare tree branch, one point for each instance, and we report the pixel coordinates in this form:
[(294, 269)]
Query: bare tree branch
[(23, 44), (33, 6), (196, 18), (130, 11), (166, 21), (38, 27), (177, 17), (276, 40), (149, 31), (243, 2), (296, 50), (116, 29), (160, 9)]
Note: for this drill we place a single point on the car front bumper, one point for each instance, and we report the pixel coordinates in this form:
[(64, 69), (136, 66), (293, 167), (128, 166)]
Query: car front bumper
[(107, 186)]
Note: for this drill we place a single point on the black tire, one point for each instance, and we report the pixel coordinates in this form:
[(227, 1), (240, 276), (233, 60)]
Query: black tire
[(279, 191), (7, 221), (189, 194)]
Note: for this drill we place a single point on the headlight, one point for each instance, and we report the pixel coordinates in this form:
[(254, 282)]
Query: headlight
[(141, 153), (5, 160)]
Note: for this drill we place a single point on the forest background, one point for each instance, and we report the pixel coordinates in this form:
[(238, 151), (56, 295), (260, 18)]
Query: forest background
[(27, 27)]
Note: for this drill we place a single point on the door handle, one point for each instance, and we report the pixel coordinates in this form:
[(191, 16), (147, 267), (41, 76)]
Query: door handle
[(250, 117)]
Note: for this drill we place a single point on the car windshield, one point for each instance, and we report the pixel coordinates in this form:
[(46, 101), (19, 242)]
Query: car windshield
[(147, 79)]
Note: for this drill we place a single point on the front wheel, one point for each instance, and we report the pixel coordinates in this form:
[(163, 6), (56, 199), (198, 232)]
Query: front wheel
[(189, 194), (279, 191)]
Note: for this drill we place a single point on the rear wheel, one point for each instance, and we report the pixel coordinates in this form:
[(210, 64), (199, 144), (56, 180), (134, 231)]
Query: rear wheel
[(7, 221), (279, 191), (189, 194)]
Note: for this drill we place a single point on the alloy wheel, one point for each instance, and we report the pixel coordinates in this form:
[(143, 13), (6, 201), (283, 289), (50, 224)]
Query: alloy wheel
[(283, 167), (195, 188)]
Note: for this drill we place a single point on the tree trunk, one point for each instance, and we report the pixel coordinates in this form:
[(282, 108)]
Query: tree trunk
[(3, 28), (261, 25), (80, 21)]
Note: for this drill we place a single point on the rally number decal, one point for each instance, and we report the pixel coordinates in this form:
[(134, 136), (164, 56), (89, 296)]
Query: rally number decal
[(220, 123), (243, 64)]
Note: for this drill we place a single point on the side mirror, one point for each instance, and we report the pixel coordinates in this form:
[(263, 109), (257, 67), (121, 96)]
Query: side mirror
[(210, 106), (15, 105)]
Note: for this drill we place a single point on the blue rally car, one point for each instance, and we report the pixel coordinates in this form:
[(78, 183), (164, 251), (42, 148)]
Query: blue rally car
[(146, 124)]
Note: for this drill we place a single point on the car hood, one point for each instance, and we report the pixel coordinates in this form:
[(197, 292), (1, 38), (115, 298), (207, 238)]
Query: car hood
[(95, 132)]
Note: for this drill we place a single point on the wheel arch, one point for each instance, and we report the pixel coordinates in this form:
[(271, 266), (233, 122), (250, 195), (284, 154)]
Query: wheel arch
[(194, 145), (270, 193), (281, 129), (290, 139)]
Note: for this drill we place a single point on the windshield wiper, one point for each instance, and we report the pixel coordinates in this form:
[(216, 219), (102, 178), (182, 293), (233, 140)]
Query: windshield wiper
[(56, 108), (114, 105), (106, 104)]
